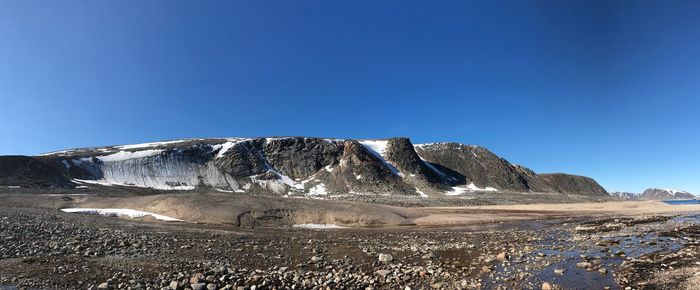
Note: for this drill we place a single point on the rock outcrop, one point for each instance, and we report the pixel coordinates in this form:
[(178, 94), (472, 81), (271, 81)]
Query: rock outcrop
[(23, 171)]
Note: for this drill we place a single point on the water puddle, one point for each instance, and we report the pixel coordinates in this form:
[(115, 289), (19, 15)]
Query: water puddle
[(576, 260), (682, 201)]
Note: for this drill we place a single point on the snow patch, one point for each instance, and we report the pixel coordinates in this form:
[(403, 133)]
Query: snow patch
[(152, 144), (456, 190), (378, 148), (287, 180), (319, 189), (98, 182), (126, 155), (333, 140), (223, 148), (120, 212), (422, 194), (473, 187), (674, 191)]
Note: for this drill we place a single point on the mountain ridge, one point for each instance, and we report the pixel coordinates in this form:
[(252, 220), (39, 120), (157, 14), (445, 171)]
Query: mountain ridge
[(654, 194), (307, 166)]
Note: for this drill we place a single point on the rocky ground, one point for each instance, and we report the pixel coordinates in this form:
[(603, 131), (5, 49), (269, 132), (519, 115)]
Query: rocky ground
[(43, 248)]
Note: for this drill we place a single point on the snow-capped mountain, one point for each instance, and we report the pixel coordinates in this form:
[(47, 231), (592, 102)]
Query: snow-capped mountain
[(625, 195), (654, 194), (290, 166), (664, 193)]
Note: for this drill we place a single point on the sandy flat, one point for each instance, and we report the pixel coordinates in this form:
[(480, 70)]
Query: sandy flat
[(217, 208), (436, 216)]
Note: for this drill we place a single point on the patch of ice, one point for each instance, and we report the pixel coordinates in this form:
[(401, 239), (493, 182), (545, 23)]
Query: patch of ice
[(66, 164), (358, 177), (319, 189), (120, 212), (223, 190), (107, 183), (329, 168), (318, 226), (377, 148), (152, 144), (81, 187)]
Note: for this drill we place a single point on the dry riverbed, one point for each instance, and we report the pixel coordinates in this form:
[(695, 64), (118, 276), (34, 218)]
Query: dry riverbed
[(47, 248)]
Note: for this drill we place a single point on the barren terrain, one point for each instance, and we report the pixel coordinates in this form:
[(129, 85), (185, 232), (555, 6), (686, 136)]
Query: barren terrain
[(249, 242)]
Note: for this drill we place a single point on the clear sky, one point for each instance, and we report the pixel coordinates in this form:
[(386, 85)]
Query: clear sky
[(608, 89)]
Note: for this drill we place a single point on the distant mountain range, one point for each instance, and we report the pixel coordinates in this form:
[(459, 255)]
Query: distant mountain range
[(654, 194), (294, 166)]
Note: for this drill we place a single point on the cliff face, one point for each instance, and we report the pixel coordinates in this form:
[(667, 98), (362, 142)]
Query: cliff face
[(292, 166)]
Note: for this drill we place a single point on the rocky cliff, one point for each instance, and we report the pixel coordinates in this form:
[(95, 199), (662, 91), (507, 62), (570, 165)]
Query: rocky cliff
[(295, 166)]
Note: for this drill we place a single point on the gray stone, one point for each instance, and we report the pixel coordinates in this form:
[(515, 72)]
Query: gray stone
[(385, 258)]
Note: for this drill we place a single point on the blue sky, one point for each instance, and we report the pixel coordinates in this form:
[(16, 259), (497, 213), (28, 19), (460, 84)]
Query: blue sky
[(607, 89)]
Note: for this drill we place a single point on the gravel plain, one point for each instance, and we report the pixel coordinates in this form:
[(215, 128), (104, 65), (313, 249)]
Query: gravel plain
[(49, 249)]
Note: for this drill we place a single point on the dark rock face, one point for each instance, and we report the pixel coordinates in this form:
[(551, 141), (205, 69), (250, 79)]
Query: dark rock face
[(292, 165), (483, 168), (402, 154), (360, 171), (301, 157), (661, 194), (243, 159), (573, 184), (26, 171), (477, 165)]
